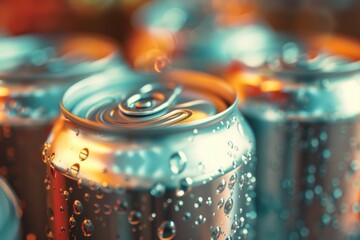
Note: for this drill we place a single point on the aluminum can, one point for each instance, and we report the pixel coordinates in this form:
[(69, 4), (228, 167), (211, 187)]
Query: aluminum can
[(151, 157), (35, 71), (303, 108), (9, 212)]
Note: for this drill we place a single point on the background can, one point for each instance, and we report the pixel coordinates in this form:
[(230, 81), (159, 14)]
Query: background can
[(9, 212), (303, 107), (151, 157), (35, 71)]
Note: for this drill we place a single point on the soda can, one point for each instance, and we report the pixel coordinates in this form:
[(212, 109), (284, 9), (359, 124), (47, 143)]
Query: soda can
[(9, 212), (35, 71), (303, 108), (151, 157)]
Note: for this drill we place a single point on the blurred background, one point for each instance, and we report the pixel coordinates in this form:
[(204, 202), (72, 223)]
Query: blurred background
[(128, 21)]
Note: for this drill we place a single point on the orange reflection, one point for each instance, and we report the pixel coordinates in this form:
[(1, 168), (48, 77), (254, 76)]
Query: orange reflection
[(145, 47), (337, 45), (251, 84), (92, 47)]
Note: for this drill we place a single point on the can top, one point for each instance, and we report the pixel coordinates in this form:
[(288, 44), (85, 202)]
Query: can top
[(139, 102), (53, 57), (302, 61)]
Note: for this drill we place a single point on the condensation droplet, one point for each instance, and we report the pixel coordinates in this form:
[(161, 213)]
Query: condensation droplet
[(74, 170), (72, 222), (187, 216), (158, 190), (177, 162), (77, 207), (66, 195), (96, 208), (228, 206), (232, 181), (107, 209), (51, 214), (134, 217), (200, 219), (199, 202), (84, 153), (121, 206), (221, 186), (220, 203), (47, 183), (185, 186), (240, 129), (86, 197), (87, 228), (167, 230), (215, 233)]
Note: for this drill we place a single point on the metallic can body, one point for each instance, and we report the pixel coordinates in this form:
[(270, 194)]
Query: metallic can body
[(306, 126), (35, 72), (191, 181), (10, 213)]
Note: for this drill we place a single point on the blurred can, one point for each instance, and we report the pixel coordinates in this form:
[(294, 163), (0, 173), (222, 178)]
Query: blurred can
[(303, 106), (151, 157), (9, 212), (177, 32), (34, 73)]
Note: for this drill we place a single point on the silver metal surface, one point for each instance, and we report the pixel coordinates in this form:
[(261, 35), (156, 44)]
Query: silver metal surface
[(188, 179), (34, 73), (9, 212), (307, 135)]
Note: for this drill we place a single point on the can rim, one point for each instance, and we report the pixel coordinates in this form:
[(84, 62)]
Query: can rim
[(231, 100), (53, 39)]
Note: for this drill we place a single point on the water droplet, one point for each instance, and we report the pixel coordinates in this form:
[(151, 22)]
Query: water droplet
[(152, 216), (177, 162), (199, 202), (72, 222), (208, 201), (121, 206), (77, 207), (84, 153), (215, 233), (201, 167), (49, 233), (230, 144), (62, 209), (167, 230), (240, 129), (187, 216), (51, 214), (87, 228), (234, 226), (96, 208), (99, 193), (232, 181), (134, 217), (228, 206), (66, 195), (74, 170), (220, 203), (107, 209), (86, 197), (227, 124), (47, 183), (185, 186), (195, 131), (221, 186), (199, 220), (62, 229), (158, 190)]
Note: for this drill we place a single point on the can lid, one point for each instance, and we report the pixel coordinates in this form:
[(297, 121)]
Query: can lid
[(301, 61), (138, 101), (53, 56)]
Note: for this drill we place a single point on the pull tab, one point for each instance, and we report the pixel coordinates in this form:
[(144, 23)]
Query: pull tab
[(150, 99)]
